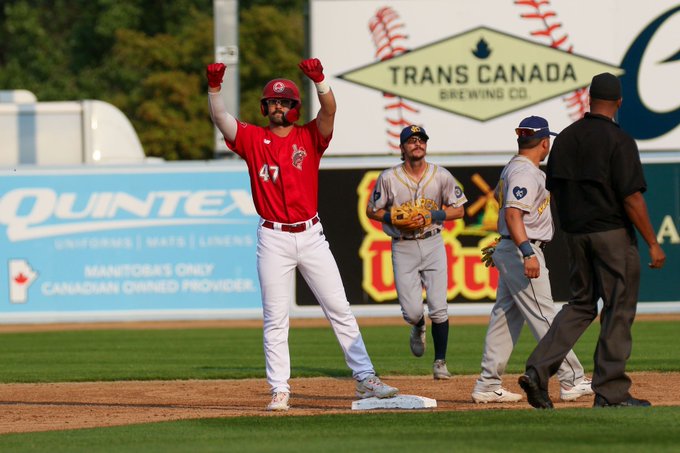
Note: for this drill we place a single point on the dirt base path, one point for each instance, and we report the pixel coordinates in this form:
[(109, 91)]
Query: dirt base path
[(61, 406), (49, 407)]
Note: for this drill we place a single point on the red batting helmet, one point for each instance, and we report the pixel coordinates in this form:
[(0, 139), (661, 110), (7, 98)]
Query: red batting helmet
[(280, 89)]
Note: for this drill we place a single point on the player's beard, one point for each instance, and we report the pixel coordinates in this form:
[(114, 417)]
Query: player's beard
[(278, 118), (413, 158)]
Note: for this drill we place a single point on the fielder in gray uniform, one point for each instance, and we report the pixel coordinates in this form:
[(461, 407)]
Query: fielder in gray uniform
[(419, 256), (526, 226)]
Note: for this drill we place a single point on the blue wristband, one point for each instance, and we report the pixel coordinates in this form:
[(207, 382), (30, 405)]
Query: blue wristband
[(387, 218), (438, 215), (526, 249)]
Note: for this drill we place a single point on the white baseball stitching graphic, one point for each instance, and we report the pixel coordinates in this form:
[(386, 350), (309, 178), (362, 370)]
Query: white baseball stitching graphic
[(577, 102), (389, 39)]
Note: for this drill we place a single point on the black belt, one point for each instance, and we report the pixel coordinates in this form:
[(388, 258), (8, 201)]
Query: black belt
[(540, 244), (290, 227), (413, 238)]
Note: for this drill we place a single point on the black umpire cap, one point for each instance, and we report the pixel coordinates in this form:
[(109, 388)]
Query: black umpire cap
[(605, 86)]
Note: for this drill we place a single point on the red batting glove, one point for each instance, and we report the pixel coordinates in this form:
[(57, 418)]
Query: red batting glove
[(312, 69), (215, 74)]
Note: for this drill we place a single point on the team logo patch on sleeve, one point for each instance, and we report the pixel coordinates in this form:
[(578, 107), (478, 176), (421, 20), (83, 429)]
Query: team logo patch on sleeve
[(458, 191), (519, 192), (376, 195)]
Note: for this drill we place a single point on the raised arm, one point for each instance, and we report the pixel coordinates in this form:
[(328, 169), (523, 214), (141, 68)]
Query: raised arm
[(218, 111), (325, 119)]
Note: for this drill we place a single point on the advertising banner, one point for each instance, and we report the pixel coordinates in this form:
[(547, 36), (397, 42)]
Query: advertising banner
[(663, 203), (137, 239), (470, 70), (363, 251), (179, 241)]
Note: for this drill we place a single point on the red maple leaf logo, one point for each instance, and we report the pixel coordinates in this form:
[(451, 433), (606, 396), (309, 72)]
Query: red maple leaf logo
[(21, 279)]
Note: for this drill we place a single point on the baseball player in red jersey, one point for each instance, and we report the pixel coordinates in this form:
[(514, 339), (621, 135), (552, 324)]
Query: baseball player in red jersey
[(283, 164)]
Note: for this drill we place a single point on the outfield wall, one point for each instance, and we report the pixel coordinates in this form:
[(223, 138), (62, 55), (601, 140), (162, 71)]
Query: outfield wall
[(177, 241)]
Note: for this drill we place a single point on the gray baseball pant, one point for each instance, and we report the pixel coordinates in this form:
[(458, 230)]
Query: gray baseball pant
[(519, 299), (421, 264)]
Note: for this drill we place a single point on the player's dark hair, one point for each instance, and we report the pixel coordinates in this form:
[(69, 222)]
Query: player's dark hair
[(528, 142)]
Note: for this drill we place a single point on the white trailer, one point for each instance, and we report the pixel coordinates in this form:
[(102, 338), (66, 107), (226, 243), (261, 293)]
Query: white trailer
[(64, 133)]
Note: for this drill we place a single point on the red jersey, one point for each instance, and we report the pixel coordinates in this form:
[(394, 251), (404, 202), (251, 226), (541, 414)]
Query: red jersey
[(284, 171)]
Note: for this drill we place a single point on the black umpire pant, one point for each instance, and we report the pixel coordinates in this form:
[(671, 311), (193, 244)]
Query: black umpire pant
[(602, 265)]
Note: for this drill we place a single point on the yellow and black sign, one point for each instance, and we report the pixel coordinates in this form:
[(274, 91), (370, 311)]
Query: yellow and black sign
[(364, 255)]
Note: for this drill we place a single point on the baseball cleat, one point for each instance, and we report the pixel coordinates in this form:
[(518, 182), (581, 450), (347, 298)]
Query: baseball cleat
[(496, 396), (279, 402), (601, 401), (373, 387), (583, 388), (418, 340), (439, 370), (537, 397)]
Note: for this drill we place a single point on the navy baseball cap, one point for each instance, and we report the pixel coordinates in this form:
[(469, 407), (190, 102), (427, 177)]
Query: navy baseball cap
[(412, 130), (534, 127)]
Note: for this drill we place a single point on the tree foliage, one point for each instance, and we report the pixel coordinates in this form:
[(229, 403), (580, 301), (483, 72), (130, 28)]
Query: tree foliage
[(148, 58), (271, 45)]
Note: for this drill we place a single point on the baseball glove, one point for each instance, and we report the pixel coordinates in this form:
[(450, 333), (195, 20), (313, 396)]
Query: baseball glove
[(487, 253), (405, 217)]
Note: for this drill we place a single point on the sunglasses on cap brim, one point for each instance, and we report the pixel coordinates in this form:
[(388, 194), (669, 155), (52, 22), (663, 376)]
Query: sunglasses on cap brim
[(529, 131)]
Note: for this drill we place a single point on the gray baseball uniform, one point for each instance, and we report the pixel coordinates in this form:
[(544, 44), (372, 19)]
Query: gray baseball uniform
[(419, 259), (519, 299)]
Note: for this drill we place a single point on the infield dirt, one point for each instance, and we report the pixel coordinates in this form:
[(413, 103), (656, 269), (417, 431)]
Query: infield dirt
[(61, 406)]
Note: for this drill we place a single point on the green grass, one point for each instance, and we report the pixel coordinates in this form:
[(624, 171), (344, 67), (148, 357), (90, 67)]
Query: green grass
[(110, 355), (106, 355), (570, 430)]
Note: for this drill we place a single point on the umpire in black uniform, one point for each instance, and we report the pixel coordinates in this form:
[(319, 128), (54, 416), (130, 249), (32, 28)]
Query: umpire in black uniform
[(595, 176)]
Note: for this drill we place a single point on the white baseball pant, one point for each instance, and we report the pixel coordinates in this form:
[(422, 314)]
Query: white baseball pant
[(278, 255)]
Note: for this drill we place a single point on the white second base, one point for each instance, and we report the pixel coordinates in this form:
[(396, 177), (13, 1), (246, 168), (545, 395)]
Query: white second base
[(396, 402)]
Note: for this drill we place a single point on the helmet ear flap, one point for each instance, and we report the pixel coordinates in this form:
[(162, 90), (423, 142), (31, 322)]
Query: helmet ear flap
[(293, 114)]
